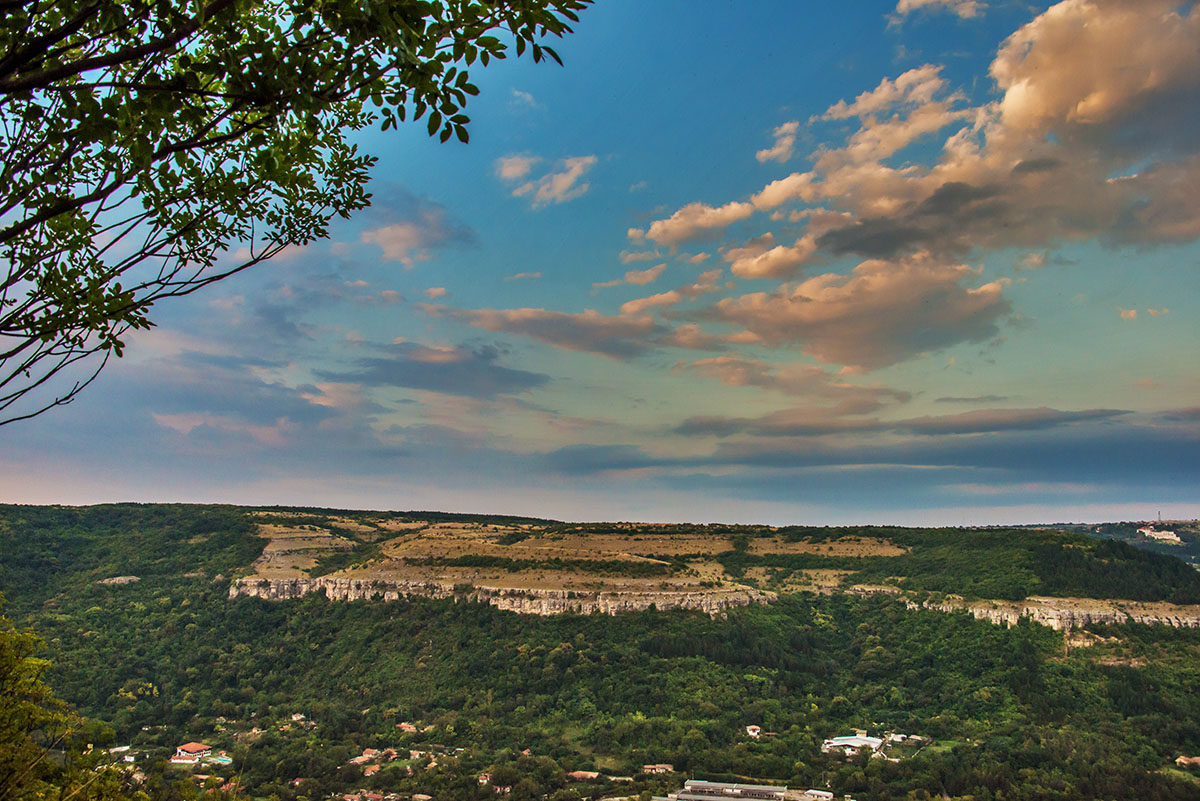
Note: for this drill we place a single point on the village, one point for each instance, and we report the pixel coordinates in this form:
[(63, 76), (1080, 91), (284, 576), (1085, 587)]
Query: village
[(213, 768)]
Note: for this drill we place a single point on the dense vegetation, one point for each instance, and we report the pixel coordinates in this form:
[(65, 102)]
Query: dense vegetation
[(170, 659)]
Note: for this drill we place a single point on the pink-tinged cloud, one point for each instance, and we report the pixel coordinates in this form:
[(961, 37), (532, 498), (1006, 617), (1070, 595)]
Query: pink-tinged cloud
[(696, 221), (804, 380), (762, 258), (435, 292), (636, 277), (916, 86), (561, 186), (797, 186), (966, 9), (1127, 314), (642, 277), (628, 256), (882, 313), (515, 167), (818, 422), (705, 283), (413, 241), (523, 276), (589, 331), (785, 144)]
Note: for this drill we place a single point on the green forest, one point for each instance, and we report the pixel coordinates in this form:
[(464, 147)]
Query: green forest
[(1009, 713)]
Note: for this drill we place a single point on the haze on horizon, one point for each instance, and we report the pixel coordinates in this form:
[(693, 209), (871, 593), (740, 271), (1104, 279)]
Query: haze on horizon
[(925, 262)]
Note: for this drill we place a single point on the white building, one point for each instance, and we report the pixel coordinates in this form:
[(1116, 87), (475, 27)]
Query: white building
[(1161, 536), (853, 742)]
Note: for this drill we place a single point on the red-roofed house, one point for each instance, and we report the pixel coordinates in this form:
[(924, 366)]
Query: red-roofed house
[(193, 750)]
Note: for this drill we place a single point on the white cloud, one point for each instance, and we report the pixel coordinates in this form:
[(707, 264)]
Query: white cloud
[(436, 292), (522, 277), (523, 99)]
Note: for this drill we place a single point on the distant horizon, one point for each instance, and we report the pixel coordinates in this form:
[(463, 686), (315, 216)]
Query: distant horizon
[(557, 518)]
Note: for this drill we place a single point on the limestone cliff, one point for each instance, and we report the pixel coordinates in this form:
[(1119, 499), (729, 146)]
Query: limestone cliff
[(524, 601), (1067, 613)]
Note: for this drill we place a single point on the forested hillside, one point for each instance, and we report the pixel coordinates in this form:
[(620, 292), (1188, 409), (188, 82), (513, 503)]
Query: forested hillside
[(462, 689)]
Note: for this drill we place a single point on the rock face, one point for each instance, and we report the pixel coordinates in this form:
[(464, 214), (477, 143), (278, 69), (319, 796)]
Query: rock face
[(1063, 614), (523, 601)]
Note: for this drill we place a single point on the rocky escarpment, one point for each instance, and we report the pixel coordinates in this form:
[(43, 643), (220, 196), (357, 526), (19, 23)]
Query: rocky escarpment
[(1063, 614), (524, 601)]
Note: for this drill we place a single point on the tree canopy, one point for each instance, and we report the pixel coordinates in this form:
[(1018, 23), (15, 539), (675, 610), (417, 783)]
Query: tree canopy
[(151, 147)]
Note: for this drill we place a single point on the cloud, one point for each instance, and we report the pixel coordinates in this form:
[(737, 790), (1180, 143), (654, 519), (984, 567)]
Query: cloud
[(882, 313), (761, 258), (1185, 415), (449, 370), (808, 380), (972, 399), (695, 221), (413, 228), (628, 256), (1032, 261), (1128, 314), (797, 186), (522, 276), (519, 99), (589, 331), (1157, 312), (515, 167), (642, 277), (1077, 146), (705, 283), (785, 143), (916, 87), (638, 277), (965, 9), (435, 292), (807, 422), (553, 187)]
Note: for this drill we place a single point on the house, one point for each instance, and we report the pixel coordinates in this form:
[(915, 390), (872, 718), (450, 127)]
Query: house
[(582, 775), (754, 731), (193, 750), (371, 770), (825, 795), (660, 767), (1187, 761), (406, 727), (851, 743)]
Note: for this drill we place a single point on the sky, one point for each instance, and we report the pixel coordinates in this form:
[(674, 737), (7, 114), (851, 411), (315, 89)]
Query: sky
[(925, 262)]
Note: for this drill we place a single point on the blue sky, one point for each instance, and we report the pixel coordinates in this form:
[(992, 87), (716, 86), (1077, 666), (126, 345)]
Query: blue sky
[(926, 262)]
